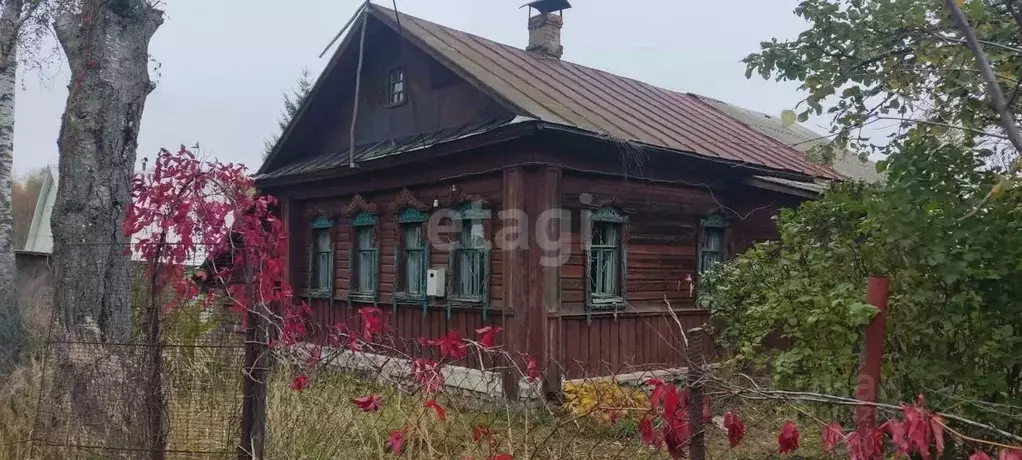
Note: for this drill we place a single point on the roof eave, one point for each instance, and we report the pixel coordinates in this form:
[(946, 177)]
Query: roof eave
[(515, 129), (752, 168)]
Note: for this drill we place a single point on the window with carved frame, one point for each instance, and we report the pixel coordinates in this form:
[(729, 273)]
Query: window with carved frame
[(365, 257), (321, 258), (470, 255), (711, 245), (412, 255), (605, 260)]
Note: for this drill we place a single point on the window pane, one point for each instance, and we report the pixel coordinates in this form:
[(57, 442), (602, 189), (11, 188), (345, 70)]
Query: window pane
[(321, 278), (470, 272), (365, 238), (713, 239), (710, 259), (475, 236), (610, 273), (413, 237), (322, 240), (414, 272)]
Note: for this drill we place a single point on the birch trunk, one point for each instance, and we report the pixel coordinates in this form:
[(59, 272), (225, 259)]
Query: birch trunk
[(10, 317), (106, 43)]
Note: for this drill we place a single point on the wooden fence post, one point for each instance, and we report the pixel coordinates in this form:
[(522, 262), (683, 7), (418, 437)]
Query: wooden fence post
[(696, 359), (869, 375), (254, 377)]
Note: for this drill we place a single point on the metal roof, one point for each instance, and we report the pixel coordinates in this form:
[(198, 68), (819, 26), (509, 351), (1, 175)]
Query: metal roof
[(374, 150), (562, 92), (801, 138)]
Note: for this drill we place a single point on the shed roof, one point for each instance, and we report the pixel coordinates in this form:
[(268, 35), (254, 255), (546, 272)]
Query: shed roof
[(562, 92)]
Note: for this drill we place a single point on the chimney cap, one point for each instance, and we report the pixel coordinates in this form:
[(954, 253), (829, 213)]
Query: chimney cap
[(548, 6)]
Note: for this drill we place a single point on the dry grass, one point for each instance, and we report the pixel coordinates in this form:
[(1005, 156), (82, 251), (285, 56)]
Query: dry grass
[(322, 423)]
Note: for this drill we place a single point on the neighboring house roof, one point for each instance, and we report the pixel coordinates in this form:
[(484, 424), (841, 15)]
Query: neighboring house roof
[(847, 163), (562, 93), (40, 238)]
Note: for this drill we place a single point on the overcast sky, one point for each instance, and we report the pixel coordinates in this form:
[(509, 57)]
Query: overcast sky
[(223, 64)]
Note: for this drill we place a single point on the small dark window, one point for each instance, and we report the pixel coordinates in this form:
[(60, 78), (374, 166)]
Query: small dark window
[(711, 251), (396, 86)]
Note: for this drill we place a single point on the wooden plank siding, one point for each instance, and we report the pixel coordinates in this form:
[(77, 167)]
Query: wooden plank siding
[(406, 322), (661, 246)]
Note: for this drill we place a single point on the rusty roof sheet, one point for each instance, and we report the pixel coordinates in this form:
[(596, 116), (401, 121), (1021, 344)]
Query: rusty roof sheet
[(562, 92)]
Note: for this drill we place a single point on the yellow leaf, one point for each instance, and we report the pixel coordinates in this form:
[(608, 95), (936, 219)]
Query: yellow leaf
[(788, 117), (998, 190)]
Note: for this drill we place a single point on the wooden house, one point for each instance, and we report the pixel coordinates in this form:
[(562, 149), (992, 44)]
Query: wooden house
[(457, 182)]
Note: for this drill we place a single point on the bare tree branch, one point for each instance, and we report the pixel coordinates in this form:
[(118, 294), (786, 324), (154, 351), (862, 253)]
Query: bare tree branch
[(993, 87)]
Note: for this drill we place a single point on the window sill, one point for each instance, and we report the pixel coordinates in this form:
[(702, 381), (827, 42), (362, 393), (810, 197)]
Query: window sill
[(606, 303), (319, 294), (364, 297), (409, 299), (467, 300)]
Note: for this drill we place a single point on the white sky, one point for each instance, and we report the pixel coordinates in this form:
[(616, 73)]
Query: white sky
[(225, 63)]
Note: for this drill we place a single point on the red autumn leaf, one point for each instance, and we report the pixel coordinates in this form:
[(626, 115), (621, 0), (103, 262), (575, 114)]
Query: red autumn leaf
[(1009, 454), (735, 428), (372, 322), (452, 346), (676, 436), (648, 432), (486, 335), (300, 382), (979, 455), (532, 368), (440, 412), (869, 447), (831, 436), (917, 429), (427, 373), (369, 403), (395, 441), (707, 414), (788, 439), (500, 457), (480, 432), (896, 430)]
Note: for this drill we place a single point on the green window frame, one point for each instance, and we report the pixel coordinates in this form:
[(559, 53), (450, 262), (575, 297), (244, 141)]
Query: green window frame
[(605, 259), (321, 258), (365, 258), (712, 242), (411, 256), (470, 258)]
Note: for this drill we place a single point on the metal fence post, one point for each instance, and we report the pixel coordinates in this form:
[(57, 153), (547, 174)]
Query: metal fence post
[(869, 375), (696, 359)]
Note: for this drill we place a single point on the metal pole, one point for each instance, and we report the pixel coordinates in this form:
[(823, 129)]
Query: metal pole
[(869, 375), (696, 360)]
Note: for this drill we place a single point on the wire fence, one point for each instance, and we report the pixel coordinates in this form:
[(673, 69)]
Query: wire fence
[(217, 383)]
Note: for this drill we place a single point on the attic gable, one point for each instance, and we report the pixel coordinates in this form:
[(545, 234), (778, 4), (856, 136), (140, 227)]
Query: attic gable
[(437, 101)]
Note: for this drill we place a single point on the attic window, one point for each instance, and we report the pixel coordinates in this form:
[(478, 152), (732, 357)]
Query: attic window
[(396, 86)]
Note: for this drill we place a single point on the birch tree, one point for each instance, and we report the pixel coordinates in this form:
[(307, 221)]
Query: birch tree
[(106, 43), (15, 17)]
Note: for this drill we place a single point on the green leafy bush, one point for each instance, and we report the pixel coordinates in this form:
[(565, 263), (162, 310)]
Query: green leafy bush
[(954, 258)]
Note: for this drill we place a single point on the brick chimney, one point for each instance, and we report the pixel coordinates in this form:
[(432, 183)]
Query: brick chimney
[(545, 27)]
